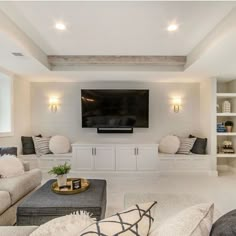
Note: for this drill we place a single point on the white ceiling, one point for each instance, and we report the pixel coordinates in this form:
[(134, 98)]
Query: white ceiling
[(115, 28)]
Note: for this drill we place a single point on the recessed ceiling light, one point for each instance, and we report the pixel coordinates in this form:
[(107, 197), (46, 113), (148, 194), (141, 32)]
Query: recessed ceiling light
[(172, 27), (60, 26)]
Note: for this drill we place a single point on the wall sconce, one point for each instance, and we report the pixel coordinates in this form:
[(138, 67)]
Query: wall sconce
[(53, 104), (176, 104)]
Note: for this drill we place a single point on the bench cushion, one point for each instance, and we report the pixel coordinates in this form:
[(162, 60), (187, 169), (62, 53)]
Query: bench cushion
[(5, 201), (19, 186)]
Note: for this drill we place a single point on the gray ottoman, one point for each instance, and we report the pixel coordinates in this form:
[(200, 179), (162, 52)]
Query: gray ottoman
[(44, 205)]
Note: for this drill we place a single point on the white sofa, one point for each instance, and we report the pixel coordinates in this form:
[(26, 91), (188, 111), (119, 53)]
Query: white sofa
[(12, 192), (168, 205)]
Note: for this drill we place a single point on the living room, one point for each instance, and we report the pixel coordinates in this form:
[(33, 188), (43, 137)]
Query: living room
[(119, 95)]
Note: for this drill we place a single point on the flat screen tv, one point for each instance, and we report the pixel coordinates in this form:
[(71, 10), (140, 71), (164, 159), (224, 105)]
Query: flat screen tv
[(116, 108)]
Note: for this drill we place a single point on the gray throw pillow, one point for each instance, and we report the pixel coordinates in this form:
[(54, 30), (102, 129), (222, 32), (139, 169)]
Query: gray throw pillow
[(199, 146), (8, 151), (225, 225)]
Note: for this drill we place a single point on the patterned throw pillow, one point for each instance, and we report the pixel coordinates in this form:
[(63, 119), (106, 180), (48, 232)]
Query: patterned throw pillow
[(41, 145), (136, 220), (193, 221), (186, 144)]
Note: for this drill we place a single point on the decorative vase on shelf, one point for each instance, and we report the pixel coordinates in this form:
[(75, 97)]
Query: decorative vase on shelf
[(61, 180), (226, 107), (229, 126)]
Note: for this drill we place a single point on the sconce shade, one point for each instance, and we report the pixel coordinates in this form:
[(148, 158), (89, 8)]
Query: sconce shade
[(53, 103), (176, 104)]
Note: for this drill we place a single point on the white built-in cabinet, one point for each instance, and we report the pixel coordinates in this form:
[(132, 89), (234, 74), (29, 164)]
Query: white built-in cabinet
[(125, 157)]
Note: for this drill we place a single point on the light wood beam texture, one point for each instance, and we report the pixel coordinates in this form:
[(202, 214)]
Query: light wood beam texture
[(73, 63), (15, 34), (219, 32)]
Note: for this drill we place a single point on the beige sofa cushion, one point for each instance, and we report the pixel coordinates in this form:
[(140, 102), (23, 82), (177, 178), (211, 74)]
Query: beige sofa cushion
[(16, 230), (19, 186), (5, 201)]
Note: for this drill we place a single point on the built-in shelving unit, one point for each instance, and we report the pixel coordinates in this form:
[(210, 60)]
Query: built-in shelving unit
[(226, 91)]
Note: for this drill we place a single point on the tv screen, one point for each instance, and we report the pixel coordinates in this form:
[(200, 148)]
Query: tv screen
[(114, 108)]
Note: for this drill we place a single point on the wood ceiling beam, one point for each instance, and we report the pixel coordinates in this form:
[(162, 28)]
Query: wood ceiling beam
[(75, 62)]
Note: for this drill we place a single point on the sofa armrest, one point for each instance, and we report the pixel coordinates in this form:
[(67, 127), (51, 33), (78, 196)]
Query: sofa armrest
[(26, 165)]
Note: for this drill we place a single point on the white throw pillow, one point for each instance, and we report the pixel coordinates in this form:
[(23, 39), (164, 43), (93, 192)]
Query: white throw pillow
[(186, 145), (193, 221), (10, 166), (59, 144), (41, 145), (70, 225), (136, 220), (169, 144)]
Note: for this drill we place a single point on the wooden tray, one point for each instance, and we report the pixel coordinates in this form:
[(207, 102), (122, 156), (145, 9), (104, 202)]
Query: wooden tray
[(84, 182)]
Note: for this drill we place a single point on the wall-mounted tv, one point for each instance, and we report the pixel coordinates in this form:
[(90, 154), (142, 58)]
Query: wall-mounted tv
[(115, 108)]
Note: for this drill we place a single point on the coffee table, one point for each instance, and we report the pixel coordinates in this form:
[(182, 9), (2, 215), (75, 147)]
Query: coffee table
[(44, 205)]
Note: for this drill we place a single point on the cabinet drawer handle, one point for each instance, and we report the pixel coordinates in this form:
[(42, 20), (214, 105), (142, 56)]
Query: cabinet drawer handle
[(92, 151), (137, 151)]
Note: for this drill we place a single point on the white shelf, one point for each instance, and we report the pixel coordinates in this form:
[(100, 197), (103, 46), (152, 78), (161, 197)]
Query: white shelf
[(226, 134), (226, 114), (226, 155), (226, 95)]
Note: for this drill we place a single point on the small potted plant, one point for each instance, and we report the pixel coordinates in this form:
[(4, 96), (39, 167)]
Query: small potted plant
[(61, 172), (229, 125)]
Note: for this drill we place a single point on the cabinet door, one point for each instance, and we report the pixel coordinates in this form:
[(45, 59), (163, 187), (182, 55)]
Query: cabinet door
[(104, 158), (126, 158), (147, 157), (83, 158)]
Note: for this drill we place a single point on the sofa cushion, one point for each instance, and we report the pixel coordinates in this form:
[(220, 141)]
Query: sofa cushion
[(19, 186), (8, 150), (69, 225), (17, 230), (5, 201), (193, 221), (10, 166)]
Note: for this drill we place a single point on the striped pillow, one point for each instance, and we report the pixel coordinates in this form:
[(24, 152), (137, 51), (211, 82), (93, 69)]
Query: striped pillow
[(41, 145), (186, 144)]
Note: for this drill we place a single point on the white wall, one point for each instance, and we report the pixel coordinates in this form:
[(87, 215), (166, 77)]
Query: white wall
[(21, 113), (162, 120), (5, 104)]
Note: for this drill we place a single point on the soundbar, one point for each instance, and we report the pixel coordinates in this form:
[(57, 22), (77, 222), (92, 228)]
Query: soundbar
[(127, 130)]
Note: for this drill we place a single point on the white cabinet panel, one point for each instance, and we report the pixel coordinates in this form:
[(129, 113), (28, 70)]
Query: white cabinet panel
[(147, 158), (83, 158), (126, 158), (104, 158)]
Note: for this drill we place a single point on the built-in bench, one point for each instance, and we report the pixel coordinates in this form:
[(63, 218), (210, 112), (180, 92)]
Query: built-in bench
[(179, 163), (46, 162)]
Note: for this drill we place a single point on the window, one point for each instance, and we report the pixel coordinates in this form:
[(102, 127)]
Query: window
[(6, 126)]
